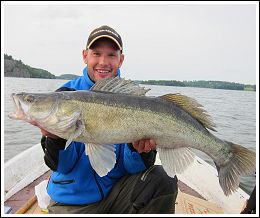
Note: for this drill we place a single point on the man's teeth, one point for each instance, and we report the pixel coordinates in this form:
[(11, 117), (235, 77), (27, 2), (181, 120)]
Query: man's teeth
[(103, 71)]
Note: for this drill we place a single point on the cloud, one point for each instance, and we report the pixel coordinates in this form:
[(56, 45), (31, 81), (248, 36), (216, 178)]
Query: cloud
[(161, 41)]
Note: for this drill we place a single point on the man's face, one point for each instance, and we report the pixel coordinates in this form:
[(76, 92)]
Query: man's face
[(103, 59)]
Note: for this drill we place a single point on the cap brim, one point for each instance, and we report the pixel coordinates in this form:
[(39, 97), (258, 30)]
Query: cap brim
[(105, 36)]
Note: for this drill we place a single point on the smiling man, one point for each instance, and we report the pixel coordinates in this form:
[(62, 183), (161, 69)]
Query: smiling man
[(135, 184), (103, 55)]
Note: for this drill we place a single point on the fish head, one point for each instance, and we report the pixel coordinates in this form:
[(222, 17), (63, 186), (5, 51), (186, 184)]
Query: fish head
[(34, 108), (53, 112)]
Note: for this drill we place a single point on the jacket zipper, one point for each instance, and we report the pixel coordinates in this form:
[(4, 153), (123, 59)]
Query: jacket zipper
[(146, 173), (63, 182), (95, 176), (99, 186)]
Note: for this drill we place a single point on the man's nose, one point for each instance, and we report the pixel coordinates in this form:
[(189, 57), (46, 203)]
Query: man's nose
[(103, 59)]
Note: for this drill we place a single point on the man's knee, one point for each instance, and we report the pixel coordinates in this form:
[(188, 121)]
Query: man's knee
[(166, 184), (155, 184)]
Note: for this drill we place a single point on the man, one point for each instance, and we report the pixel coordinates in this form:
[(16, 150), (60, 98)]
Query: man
[(135, 184)]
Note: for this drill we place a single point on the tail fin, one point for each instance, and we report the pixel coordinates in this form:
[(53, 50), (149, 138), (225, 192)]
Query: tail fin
[(242, 163)]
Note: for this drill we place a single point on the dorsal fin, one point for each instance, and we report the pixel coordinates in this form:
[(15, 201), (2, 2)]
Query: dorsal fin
[(118, 85), (191, 106)]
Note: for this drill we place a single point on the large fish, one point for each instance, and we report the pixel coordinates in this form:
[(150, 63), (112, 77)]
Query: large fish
[(117, 111)]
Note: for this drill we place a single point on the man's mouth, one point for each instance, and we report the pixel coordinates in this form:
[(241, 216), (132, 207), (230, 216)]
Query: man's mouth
[(103, 73)]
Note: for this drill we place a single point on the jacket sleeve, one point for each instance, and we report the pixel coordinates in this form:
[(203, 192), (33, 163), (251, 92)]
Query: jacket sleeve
[(53, 148), (135, 162)]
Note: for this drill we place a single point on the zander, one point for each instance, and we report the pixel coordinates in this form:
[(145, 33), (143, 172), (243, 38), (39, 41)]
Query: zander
[(117, 111)]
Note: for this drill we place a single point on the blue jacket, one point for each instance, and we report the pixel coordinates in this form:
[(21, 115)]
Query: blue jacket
[(74, 181)]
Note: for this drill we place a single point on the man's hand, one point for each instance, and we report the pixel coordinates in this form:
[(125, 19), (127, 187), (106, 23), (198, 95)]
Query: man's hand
[(144, 145), (48, 134)]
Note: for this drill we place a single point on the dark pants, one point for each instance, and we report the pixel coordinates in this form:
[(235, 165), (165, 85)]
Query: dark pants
[(250, 206), (152, 191)]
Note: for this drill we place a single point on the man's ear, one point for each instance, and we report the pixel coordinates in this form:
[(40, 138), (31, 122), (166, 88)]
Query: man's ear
[(121, 59), (84, 56)]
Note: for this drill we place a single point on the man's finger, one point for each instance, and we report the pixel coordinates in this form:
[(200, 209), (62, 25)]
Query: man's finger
[(147, 147), (152, 144), (44, 132), (141, 146)]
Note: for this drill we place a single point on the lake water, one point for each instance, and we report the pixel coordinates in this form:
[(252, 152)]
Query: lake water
[(234, 113)]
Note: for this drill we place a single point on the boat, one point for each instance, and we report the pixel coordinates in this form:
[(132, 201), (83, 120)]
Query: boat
[(199, 190)]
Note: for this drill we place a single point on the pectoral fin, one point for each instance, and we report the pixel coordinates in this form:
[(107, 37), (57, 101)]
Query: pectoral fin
[(80, 127), (175, 160), (62, 124), (102, 157)]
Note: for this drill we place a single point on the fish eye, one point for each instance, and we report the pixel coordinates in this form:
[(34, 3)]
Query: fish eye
[(29, 98)]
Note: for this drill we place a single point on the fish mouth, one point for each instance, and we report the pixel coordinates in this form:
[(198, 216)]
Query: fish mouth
[(20, 108)]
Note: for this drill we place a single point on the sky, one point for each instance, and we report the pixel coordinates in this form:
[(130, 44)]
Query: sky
[(161, 40)]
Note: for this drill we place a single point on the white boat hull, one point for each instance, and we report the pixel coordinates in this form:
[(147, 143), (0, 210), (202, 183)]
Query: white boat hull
[(203, 178), (24, 168)]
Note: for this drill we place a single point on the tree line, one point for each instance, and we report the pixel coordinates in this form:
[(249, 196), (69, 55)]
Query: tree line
[(16, 68), (201, 84)]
